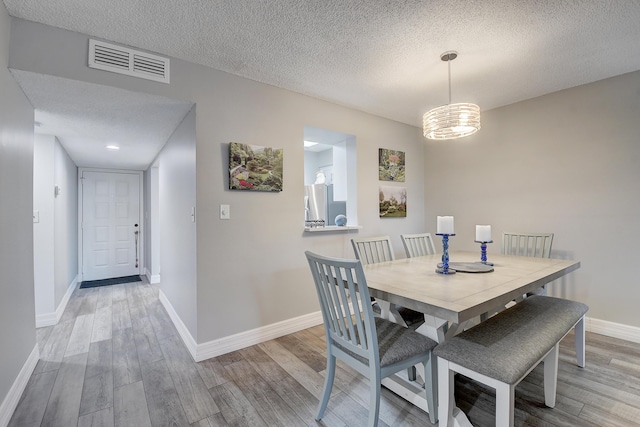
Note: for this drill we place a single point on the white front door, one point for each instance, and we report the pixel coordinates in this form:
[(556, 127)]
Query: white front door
[(110, 224)]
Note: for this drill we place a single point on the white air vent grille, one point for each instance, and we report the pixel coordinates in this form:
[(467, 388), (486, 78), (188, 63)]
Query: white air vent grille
[(122, 60)]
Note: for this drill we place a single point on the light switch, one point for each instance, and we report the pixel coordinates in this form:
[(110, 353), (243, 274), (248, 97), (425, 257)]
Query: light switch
[(36, 216), (225, 212)]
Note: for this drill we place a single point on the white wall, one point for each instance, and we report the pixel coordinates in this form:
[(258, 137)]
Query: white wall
[(565, 163), (17, 313), (152, 225), (43, 242), (65, 222)]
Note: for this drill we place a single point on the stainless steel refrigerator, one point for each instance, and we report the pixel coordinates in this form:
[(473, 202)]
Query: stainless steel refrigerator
[(315, 202)]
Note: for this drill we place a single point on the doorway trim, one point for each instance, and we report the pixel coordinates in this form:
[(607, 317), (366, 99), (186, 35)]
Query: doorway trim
[(140, 222)]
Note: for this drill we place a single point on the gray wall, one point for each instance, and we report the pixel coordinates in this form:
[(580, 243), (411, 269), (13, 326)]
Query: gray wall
[(177, 179), (65, 222), (251, 270), (565, 163), (17, 313)]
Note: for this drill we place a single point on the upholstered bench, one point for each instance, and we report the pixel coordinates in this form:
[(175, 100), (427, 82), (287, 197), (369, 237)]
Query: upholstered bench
[(502, 350)]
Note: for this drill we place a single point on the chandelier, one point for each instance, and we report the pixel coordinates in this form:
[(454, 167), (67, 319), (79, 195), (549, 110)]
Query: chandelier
[(451, 121)]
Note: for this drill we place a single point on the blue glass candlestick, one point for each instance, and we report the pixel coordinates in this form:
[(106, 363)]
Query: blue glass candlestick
[(445, 255), (483, 251)]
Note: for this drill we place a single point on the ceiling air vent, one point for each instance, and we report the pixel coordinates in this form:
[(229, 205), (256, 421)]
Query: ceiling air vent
[(122, 60)]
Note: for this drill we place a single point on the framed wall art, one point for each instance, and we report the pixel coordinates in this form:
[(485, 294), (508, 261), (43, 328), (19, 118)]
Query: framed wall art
[(255, 168), (393, 202), (391, 165)]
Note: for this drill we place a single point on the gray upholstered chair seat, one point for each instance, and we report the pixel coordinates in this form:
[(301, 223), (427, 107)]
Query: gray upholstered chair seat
[(396, 343)]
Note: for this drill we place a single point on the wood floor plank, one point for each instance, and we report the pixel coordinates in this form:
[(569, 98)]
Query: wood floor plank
[(196, 400), (146, 342), (64, 404), (103, 418), (272, 408), (120, 315), (53, 352), (97, 392), (33, 402), (130, 406), (160, 320), (235, 407), (216, 420), (212, 372), (297, 397), (119, 293), (304, 352), (164, 404), (81, 335), (88, 301), (105, 297), (304, 374), (102, 325), (126, 366)]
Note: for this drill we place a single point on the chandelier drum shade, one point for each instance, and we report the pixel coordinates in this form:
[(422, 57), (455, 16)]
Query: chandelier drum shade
[(451, 121)]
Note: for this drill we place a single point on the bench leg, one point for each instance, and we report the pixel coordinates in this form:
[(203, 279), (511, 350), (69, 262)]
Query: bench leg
[(580, 342), (505, 401), (551, 376), (445, 393)]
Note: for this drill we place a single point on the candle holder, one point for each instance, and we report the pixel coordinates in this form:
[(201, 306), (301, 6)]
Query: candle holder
[(483, 251), (444, 269)]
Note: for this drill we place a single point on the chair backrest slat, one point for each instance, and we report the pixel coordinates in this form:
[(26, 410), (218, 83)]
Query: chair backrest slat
[(418, 244), (342, 291), (372, 250), (527, 244)]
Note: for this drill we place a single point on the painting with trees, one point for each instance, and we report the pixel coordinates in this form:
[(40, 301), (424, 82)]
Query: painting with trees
[(390, 165), (253, 167), (393, 202)]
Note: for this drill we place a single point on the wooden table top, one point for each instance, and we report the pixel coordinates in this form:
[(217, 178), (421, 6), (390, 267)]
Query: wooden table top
[(414, 283)]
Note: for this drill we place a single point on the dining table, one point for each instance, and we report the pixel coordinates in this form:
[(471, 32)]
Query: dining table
[(453, 302)]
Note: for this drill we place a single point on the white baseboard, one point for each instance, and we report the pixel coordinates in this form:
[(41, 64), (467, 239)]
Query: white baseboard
[(231, 343), (50, 319), (256, 336), (611, 329), (10, 402), (188, 340), (152, 278)]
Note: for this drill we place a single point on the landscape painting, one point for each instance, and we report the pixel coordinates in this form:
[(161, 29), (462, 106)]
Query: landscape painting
[(391, 165), (393, 202), (256, 168)]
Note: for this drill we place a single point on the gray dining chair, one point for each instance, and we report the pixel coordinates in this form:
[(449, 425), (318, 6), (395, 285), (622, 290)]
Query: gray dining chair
[(537, 245), (372, 250), (375, 347), (527, 244), (420, 244)]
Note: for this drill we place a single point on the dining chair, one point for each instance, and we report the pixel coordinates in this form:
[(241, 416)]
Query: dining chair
[(372, 250), (536, 245), (375, 347), (418, 244), (527, 244)]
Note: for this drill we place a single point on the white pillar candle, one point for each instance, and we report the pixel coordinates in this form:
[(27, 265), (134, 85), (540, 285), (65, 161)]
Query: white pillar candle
[(483, 233), (445, 225)]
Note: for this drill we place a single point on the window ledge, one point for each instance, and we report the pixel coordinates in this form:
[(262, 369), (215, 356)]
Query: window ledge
[(332, 228)]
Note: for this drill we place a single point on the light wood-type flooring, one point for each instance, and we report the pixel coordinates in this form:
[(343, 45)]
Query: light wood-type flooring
[(115, 358)]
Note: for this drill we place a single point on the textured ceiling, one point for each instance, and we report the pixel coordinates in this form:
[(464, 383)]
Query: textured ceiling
[(377, 56), (86, 117)]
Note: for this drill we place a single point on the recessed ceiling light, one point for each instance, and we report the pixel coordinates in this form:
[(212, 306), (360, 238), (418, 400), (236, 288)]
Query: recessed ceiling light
[(310, 143), (112, 147)]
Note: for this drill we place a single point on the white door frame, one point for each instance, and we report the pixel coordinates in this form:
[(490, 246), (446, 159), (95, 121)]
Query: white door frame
[(140, 220)]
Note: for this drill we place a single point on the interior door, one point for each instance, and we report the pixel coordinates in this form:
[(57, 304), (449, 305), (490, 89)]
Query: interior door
[(110, 224)]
